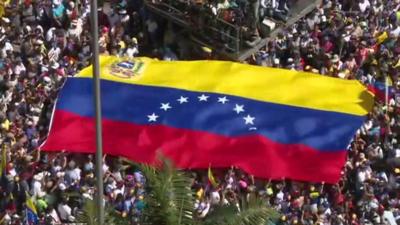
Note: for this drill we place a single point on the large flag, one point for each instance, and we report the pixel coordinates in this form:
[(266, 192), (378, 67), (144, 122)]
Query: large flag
[(272, 123)]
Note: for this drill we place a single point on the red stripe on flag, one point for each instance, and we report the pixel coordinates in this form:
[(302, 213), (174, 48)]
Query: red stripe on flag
[(196, 149)]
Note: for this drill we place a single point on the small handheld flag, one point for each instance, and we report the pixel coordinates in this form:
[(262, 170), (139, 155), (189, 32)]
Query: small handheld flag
[(31, 216), (211, 177)]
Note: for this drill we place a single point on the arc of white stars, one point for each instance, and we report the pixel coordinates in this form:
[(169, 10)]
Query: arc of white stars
[(165, 106), (249, 119), (203, 98), (223, 100), (182, 100), (152, 118)]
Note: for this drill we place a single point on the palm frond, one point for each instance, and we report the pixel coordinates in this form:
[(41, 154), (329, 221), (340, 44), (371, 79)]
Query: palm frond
[(257, 215), (88, 213), (252, 212), (222, 215), (170, 200)]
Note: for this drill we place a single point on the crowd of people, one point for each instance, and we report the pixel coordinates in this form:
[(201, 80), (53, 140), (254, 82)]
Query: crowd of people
[(42, 42), (224, 23)]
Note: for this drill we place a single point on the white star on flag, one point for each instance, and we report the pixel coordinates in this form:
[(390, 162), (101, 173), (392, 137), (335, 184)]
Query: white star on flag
[(182, 99), (165, 106), (238, 108), (249, 120), (223, 100), (152, 118), (203, 98)]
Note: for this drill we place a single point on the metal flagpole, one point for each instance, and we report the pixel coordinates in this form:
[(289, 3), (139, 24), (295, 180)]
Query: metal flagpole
[(387, 107), (97, 100), (386, 92)]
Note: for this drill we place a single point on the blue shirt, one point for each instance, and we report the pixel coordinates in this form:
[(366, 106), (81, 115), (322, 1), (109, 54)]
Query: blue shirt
[(58, 11)]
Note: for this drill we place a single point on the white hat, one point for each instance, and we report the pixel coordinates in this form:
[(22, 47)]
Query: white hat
[(38, 176), (71, 218), (39, 41), (55, 65), (62, 186), (290, 60), (335, 58), (38, 27), (5, 19), (45, 69), (28, 28), (7, 218), (47, 79), (125, 18), (60, 174), (41, 194)]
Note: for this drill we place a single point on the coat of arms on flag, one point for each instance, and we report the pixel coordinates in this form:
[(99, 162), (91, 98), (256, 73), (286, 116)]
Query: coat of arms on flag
[(127, 68)]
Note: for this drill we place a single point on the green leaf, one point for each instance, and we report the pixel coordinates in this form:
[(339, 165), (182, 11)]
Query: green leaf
[(170, 200)]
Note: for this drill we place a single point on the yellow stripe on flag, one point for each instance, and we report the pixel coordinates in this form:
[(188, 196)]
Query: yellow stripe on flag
[(272, 85)]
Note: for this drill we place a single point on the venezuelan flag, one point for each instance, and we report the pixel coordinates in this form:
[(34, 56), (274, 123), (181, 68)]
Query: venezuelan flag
[(379, 89), (31, 216), (272, 123)]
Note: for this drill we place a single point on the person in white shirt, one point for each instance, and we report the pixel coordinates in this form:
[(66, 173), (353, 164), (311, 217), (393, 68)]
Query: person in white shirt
[(5, 46), (65, 211), (388, 218), (363, 5), (52, 216), (37, 185), (215, 197)]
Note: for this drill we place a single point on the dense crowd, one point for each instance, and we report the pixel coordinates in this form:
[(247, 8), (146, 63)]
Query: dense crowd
[(43, 42)]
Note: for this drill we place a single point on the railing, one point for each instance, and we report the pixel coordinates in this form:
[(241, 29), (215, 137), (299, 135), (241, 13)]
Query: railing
[(215, 32)]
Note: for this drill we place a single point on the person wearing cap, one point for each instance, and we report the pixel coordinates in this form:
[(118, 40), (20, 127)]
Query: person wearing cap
[(132, 49), (5, 20), (290, 64)]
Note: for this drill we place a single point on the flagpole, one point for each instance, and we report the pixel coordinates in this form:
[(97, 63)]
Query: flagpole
[(96, 84), (386, 92)]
